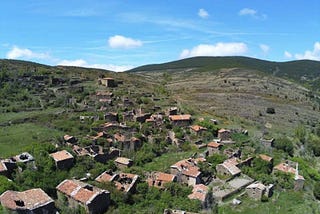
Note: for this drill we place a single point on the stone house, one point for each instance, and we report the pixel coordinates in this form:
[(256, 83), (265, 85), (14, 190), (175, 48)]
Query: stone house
[(201, 192), (122, 162), (172, 111), (111, 117), (125, 182), (256, 190), (214, 147), (288, 167), (96, 152), (229, 168), (180, 120), (187, 171), (69, 139), (109, 82), (197, 130), (7, 166), (125, 144), (268, 143), (94, 200), (34, 201), (63, 159), (224, 134), (159, 179)]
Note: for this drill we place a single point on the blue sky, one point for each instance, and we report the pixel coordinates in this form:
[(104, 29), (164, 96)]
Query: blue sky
[(119, 35)]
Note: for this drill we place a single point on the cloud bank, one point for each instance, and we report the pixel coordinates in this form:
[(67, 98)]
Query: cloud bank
[(24, 53), (203, 13), (218, 49), (122, 42), (83, 63)]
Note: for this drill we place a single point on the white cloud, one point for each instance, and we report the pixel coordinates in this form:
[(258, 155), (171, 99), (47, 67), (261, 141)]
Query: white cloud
[(253, 13), (119, 41), (247, 11), (287, 54), (312, 55), (83, 63), (24, 53), (203, 13), (218, 49), (265, 48)]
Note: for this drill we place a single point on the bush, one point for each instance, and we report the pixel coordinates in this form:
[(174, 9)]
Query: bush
[(270, 110), (316, 191)]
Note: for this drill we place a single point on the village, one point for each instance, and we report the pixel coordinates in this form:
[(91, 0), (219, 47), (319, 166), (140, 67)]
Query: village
[(219, 170)]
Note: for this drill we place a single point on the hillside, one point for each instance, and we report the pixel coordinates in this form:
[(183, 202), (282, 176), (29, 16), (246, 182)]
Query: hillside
[(302, 71), (49, 109)]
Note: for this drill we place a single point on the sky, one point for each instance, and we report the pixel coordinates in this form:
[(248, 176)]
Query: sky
[(122, 34)]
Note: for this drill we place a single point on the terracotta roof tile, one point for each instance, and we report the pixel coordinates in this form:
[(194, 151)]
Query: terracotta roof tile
[(104, 177), (79, 191), (180, 117), (31, 199), (265, 157), (199, 192), (197, 128), (61, 155), (214, 144)]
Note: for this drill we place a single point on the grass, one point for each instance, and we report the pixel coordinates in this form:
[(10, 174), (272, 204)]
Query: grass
[(280, 203), (14, 138), (11, 116)]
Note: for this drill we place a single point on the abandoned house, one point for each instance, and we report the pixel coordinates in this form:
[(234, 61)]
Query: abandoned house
[(187, 171), (94, 200), (213, 147), (291, 168), (197, 130), (69, 139), (256, 190), (228, 168), (180, 120), (224, 134), (159, 179), (124, 182), (122, 162), (63, 159), (30, 201), (111, 117), (109, 82), (201, 192)]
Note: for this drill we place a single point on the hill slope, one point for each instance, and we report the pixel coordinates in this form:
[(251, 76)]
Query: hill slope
[(304, 71)]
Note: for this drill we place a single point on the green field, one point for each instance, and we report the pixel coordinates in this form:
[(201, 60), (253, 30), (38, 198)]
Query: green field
[(280, 203), (14, 138)]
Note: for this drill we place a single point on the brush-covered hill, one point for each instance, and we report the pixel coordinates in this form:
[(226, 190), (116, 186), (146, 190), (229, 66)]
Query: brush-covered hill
[(244, 87), (303, 71)]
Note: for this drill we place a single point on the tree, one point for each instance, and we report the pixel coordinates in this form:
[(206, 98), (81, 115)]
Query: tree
[(5, 184), (316, 191), (284, 144)]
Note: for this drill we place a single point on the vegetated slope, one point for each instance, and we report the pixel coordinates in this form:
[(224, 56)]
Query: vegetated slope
[(304, 71), (244, 93)]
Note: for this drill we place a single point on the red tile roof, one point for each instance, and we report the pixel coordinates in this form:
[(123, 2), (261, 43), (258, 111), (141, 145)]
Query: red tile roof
[(105, 177), (284, 167), (79, 191), (188, 167), (164, 177), (214, 144), (180, 117), (30, 199), (199, 192), (223, 130), (265, 157), (197, 128), (61, 155), (123, 160)]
